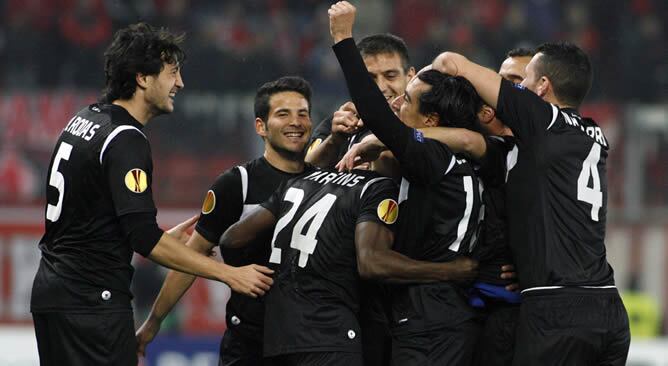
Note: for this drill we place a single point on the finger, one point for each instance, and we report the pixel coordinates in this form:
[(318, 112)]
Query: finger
[(507, 268), (263, 286), (263, 269), (251, 293), (513, 287), (267, 280), (508, 275), (258, 291)]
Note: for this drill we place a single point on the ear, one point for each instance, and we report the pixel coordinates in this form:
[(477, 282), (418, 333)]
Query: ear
[(544, 86), (433, 120), (486, 114), (142, 80), (411, 72), (260, 127)]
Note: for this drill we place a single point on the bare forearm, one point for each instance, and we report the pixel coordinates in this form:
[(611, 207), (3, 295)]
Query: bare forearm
[(391, 266), (486, 81), (459, 140), (171, 253), (176, 284), (325, 154)]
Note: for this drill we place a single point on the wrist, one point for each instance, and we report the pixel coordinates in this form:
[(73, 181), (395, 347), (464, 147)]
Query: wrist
[(338, 37)]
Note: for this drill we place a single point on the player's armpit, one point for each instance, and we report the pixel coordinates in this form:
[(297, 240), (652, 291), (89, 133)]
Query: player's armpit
[(459, 140), (246, 230)]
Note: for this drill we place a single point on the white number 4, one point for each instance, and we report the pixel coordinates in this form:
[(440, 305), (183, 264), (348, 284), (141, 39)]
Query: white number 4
[(304, 243), (57, 180), (593, 195)]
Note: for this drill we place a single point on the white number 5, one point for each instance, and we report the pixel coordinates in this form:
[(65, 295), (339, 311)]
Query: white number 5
[(593, 195), (57, 180)]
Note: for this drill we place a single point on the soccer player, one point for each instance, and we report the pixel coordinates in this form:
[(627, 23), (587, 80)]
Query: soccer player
[(388, 64), (282, 119), (329, 230), (100, 209), (514, 66), (556, 194), (387, 61), (439, 198)]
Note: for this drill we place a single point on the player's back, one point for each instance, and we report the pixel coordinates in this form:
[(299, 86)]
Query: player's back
[(83, 248), (314, 301), (557, 193)]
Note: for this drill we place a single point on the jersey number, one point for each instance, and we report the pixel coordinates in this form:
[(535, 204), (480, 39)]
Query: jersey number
[(57, 180), (305, 243), (464, 222), (592, 195)]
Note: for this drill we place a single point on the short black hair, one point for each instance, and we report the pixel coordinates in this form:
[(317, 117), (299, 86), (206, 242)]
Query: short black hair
[(283, 84), (453, 98), (138, 48), (385, 43), (520, 52), (568, 69)]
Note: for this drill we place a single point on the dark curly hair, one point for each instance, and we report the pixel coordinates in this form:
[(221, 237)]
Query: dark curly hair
[(453, 98), (283, 84), (138, 48)]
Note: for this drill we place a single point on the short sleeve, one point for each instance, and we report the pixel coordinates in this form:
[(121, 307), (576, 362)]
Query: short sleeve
[(128, 167), (273, 203), (493, 165), (379, 202), (425, 161), (323, 130), (222, 206), (523, 111)]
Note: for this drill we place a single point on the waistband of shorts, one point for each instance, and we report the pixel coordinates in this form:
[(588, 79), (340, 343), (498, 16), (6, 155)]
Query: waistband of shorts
[(569, 290)]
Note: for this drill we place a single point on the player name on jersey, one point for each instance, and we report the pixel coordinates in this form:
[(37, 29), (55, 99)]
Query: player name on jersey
[(342, 179), (81, 127), (594, 132)]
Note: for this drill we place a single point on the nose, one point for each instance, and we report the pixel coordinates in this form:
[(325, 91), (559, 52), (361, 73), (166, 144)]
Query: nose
[(179, 80), (397, 103)]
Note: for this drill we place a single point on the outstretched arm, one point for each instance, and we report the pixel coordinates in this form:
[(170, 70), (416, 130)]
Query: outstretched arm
[(459, 140), (376, 260)]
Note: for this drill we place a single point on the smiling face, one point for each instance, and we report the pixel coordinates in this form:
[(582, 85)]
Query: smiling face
[(407, 105), (288, 125), (162, 88), (387, 72)]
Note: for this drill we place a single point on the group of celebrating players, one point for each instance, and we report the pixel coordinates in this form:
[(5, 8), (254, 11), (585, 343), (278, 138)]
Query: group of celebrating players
[(453, 216)]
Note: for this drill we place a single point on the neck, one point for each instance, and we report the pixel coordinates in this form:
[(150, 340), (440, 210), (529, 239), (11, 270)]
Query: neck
[(285, 161), (551, 98), (136, 108)]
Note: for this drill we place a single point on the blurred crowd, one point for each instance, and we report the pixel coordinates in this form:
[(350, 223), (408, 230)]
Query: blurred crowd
[(52, 48)]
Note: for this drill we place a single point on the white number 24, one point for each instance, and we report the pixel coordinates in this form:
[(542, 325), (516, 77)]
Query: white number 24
[(304, 243), (592, 195)]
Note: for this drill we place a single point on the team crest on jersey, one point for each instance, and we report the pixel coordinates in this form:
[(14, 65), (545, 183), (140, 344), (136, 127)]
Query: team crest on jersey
[(136, 180), (314, 144), (388, 211), (209, 202)]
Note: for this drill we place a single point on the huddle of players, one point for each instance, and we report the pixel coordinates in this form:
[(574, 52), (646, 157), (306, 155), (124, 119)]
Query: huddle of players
[(370, 273), (323, 230)]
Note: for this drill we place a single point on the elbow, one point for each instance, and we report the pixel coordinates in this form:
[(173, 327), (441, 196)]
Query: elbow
[(366, 267)]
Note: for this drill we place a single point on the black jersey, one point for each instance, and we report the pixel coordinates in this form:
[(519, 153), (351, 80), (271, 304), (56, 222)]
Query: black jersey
[(493, 250), (439, 196), (324, 129), (233, 195), (313, 304), (100, 170), (556, 193)]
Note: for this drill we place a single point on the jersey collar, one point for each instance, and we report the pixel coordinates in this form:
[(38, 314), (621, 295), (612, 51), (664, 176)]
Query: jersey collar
[(120, 115)]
